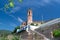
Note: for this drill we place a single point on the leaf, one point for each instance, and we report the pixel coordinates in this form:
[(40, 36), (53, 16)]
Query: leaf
[(6, 6), (20, 1), (11, 4)]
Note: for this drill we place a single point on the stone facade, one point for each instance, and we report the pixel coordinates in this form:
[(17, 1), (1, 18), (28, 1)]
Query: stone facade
[(29, 19)]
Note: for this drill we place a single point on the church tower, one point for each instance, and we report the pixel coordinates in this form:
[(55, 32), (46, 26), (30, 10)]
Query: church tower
[(29, 20)]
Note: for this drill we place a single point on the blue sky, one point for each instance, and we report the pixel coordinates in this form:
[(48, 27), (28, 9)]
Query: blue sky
[(12, 17)]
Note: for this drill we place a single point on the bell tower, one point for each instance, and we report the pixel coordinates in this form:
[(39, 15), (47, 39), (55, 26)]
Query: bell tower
[(29, 20)]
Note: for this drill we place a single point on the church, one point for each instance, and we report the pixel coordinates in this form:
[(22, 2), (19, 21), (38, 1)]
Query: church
[(30, 19)]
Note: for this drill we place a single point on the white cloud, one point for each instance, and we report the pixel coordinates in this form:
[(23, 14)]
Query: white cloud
[(1, 23), (19, 19), (50, 1), (38, 3), (58, 1), (14, 9), (13, 17), (12, 24), (46, 1)]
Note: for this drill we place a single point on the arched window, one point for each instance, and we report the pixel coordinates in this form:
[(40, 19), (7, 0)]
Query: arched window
[(29, 13)]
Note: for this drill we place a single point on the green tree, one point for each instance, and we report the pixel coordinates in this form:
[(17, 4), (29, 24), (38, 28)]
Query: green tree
[(56, 33), (14, 31)]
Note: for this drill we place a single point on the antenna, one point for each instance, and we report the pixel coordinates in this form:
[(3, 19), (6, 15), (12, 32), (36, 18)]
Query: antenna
[(42, 19)]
